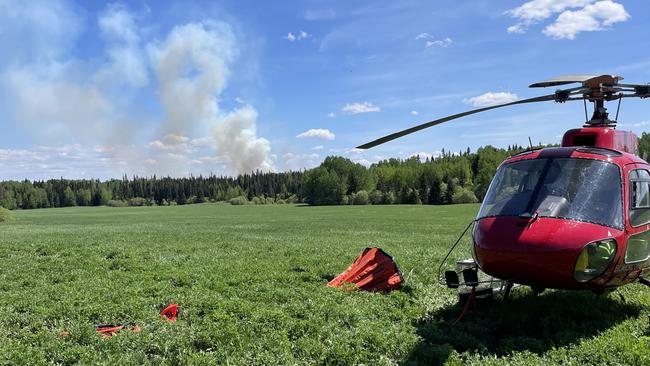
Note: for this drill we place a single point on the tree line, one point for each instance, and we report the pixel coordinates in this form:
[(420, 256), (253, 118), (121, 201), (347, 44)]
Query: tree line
[(461, 177)]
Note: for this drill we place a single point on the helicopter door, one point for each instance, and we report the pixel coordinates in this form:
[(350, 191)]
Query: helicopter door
[(638, 217)]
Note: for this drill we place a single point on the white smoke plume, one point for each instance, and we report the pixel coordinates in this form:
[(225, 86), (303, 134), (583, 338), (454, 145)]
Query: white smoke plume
[(237, 141), (127, 62), (62, 97), (193, 66)]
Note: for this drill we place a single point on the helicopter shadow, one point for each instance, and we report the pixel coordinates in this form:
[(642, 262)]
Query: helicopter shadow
[(524, 323)]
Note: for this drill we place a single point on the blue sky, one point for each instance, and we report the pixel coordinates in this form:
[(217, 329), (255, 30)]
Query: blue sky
[(101, 89)]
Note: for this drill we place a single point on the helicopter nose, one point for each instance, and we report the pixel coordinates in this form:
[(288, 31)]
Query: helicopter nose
[(534, 250)]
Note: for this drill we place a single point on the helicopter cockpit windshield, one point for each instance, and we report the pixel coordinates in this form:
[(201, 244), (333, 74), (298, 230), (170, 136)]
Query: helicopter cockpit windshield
[(568, 188)]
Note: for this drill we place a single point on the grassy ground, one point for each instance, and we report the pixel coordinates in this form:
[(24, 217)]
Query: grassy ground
[(251, 283)]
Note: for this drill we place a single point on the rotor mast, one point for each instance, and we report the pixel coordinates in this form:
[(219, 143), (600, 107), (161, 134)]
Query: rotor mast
[(600, 117)]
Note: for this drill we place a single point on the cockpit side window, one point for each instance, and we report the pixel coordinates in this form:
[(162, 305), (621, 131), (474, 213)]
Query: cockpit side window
[(639, 197)]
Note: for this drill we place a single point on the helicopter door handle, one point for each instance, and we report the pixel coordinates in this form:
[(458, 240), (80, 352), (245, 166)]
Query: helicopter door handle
[(533, 219)]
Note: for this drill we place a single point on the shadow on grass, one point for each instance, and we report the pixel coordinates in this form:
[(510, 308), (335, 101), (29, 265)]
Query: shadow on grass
[(526, 322)]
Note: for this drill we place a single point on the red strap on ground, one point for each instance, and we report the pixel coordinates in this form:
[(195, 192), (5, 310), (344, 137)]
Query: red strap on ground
[(108, 330)]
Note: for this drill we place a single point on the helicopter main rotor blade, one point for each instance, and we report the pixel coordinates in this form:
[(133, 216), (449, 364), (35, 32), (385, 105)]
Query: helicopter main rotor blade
[(408, 131)]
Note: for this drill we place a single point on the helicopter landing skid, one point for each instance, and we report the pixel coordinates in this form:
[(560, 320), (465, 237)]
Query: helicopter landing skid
[(506, 292), (644, 281)]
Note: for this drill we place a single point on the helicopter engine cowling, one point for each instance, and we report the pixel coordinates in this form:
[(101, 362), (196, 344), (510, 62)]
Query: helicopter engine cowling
[(607, 138), (537, 251)]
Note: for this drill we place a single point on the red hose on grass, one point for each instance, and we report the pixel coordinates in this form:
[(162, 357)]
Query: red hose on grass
[(469, 301)]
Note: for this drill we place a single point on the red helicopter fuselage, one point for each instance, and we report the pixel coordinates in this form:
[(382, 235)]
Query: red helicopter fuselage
[(572, 217)]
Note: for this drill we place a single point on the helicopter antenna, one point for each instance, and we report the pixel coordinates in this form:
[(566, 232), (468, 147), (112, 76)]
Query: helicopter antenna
[(530, 142), (594, 88)]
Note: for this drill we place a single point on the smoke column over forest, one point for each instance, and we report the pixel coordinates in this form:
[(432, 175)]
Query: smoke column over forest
[(192, 66)]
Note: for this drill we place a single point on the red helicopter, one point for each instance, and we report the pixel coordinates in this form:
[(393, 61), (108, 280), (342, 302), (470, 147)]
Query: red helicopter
[(571, 217)]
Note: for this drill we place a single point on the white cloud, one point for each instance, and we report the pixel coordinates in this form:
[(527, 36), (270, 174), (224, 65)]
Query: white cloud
[(319, 133), (294, 161), (431, 41), (297, 37), (575, 16), (415, 113), (355, 108), (491, 98), (177, 157), (593, 17), (205, 141), (171, 142), (319, 147), (175, 139), (70, 161), (158, 145), (538, 10), (516, 29), (331, 115)]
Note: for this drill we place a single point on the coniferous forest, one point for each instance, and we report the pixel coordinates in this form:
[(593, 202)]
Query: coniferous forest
[(449, 178)]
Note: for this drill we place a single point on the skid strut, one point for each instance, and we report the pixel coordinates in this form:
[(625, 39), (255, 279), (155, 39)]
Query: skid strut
[(644, 281)]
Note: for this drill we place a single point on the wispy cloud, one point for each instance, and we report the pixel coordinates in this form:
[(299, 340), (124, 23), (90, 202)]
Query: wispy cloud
[(430, 41), (356, 108), (490, 98), (319, 133), (321, 14), (634, 125)]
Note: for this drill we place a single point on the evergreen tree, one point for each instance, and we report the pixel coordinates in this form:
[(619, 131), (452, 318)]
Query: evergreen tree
[(69, 197)]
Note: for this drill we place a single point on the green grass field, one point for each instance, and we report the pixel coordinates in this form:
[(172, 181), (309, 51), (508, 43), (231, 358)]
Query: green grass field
[(251, 284)]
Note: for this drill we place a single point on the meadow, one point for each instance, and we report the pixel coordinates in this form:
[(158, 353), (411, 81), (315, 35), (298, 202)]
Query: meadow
[(250, 281)]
